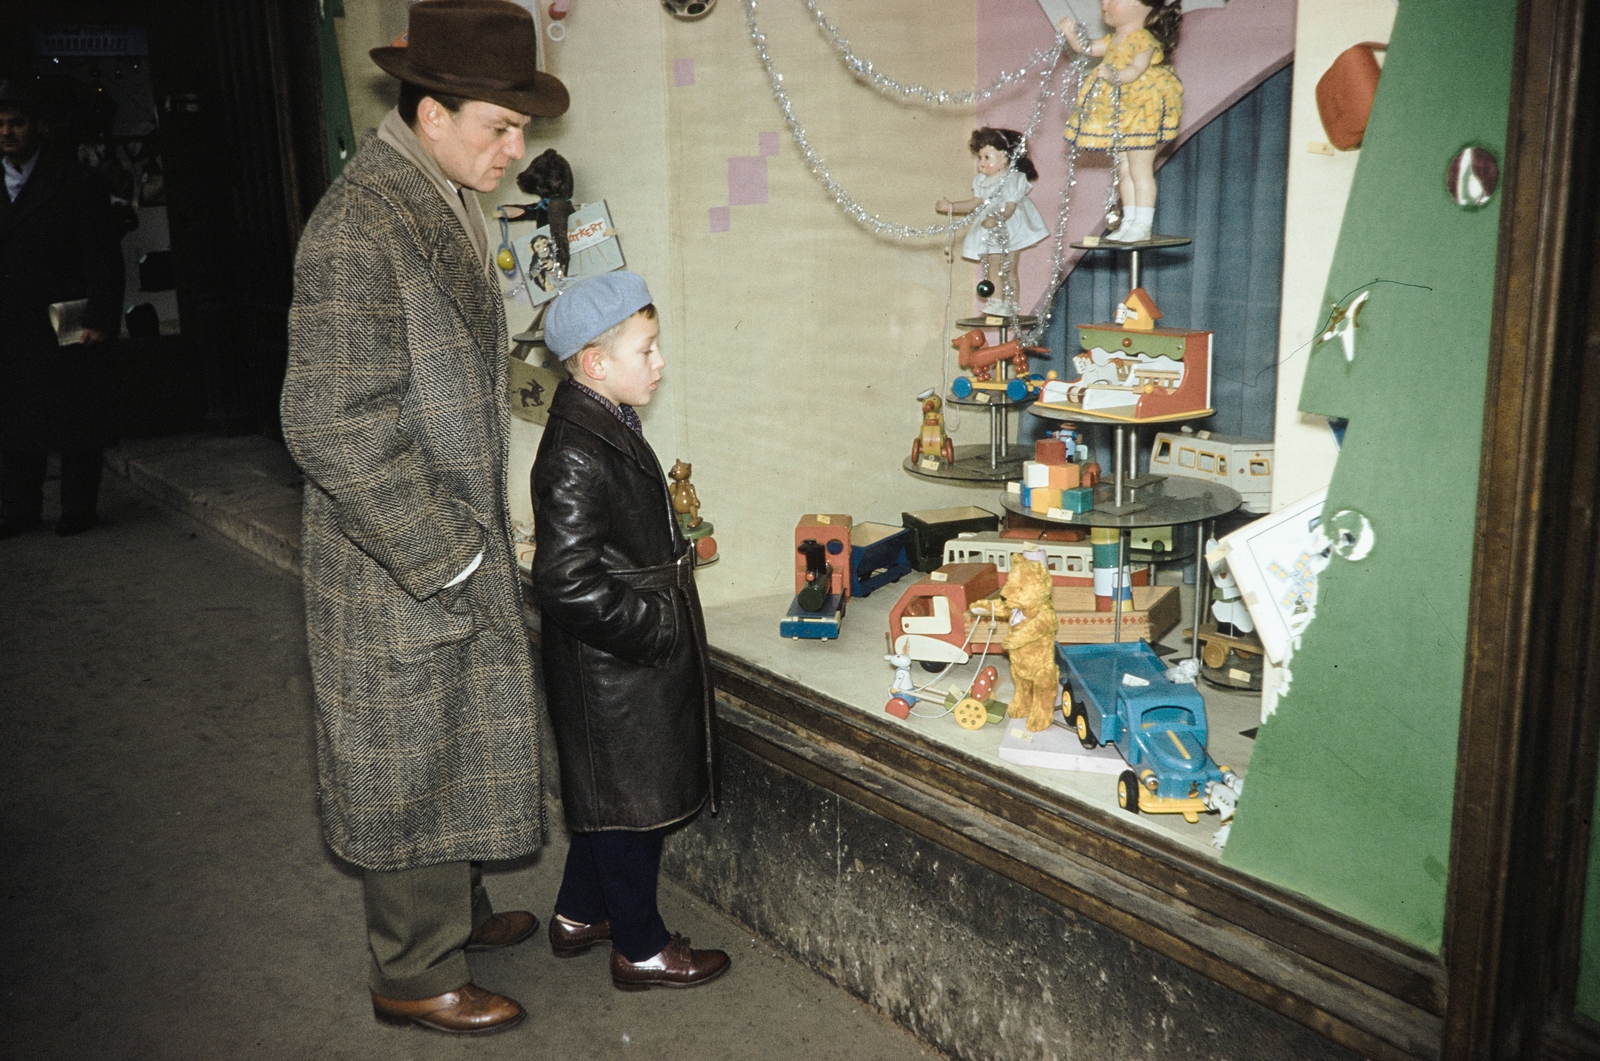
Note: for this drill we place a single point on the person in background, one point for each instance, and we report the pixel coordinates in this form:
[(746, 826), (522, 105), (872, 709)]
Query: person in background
[(59, 243)]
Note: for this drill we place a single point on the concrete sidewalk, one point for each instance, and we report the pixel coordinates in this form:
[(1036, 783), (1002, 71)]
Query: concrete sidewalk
[(247, 489), (167, 891)]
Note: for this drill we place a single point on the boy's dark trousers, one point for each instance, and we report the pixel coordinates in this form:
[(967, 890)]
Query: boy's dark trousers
[(611, 875)]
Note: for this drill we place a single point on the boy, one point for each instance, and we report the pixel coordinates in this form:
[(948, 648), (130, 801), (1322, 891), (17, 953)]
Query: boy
[(623, 640)]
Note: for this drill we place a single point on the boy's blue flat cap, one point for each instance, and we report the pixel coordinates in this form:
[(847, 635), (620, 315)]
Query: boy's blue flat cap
[(589, 307)]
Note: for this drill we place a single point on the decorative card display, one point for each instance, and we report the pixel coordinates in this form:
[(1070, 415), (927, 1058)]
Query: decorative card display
[(592, 246)]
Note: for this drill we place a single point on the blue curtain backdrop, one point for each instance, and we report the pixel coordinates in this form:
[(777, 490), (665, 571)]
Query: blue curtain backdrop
[(1224, 189)]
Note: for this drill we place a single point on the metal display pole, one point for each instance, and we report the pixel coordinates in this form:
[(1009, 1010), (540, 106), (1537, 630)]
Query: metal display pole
[(1201, 571)]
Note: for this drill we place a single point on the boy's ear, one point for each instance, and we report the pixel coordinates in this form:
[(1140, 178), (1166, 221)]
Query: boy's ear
[(592, 361)]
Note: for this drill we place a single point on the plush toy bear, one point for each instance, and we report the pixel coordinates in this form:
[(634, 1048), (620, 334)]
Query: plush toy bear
[(549, 176), (1031, 643)]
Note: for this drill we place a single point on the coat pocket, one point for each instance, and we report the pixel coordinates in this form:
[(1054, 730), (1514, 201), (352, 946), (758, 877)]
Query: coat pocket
[(446, 618)]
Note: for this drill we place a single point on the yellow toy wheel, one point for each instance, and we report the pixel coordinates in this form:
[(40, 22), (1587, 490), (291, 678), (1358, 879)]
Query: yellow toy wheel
[(970, 714)]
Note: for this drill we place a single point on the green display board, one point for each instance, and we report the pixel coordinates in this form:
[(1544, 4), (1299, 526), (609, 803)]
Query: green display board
[(1352, 780), (340, 133), (1589, 942)]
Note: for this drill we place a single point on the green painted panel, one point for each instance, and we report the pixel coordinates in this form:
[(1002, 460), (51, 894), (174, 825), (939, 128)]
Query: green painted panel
[(1352, 780), (1589, 942), (341, 135)]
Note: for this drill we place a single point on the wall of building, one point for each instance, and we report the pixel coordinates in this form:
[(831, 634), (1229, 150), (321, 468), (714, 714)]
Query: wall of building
[(1319, 184)]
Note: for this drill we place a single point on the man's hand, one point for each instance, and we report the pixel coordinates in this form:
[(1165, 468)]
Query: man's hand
[(94, 335)]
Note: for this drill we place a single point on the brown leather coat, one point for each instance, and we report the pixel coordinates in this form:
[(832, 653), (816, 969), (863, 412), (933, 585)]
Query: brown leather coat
[(626, 675)]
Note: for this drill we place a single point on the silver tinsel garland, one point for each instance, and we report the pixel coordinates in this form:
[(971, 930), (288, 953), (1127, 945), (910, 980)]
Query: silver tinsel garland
[(1077, 70), (888, 86)]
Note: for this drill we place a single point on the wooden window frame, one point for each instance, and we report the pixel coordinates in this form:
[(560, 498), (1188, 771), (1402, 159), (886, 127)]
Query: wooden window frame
[(1502, 985)]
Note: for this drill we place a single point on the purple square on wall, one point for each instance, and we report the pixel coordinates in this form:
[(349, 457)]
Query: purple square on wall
[(769, 144), (747, 180), (682, 73), (719, 219)]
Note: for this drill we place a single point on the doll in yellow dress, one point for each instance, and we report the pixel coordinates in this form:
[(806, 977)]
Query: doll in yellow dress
[(1136, 55)]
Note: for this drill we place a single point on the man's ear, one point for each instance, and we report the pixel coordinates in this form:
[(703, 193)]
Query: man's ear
[(593, 361), (430, 115)]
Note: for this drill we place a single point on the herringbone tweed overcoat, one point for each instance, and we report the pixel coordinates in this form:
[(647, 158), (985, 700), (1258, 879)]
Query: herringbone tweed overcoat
[(395, 408)]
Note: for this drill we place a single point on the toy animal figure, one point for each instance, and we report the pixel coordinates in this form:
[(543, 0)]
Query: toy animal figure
[(1089, 474), (1031, 641), (549, 176), (979, 358), (932, 440), (684, 500)]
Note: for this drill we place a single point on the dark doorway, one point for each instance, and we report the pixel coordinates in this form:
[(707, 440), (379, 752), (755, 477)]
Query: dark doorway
[(208, 114)]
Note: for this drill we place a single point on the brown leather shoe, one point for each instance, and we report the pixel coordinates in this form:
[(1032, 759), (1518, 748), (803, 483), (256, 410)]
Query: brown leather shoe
[(570, 940), (503, 930), (468, 1010), (675, 966)]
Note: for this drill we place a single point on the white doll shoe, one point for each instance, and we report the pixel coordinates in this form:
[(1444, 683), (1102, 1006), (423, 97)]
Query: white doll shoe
[(1130, 232)]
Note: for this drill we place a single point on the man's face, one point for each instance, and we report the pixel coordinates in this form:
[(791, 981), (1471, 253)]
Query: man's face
[(19, 134), (632, 366), (474, 145)]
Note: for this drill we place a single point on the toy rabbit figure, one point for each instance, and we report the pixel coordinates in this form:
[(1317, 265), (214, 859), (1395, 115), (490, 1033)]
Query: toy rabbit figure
[(1137, 56), (1009, 222)]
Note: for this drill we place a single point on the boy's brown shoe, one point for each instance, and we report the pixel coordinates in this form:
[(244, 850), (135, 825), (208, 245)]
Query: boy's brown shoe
[(676, 966), (468, 1010), (569, 939)]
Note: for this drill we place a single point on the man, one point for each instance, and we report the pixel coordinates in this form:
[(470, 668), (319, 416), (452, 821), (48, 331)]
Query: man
[(395, 407), (59, 242)]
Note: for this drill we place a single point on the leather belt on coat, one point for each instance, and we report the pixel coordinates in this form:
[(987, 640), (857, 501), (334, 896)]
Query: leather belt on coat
[(679, 574)]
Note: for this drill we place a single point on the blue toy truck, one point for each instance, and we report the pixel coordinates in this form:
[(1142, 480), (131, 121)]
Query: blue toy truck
[(1120, 694)]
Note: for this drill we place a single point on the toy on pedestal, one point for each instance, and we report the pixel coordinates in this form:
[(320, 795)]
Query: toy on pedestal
[(1130, 370), (1008, 222), (686, 506), (1231, 654), (1031, 641), (1122, 694), (821, 584), (931, 443), (974, 353), (1132, 104), (1244, 464)]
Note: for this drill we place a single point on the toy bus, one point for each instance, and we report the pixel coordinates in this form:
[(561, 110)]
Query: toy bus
[(1245, 464)]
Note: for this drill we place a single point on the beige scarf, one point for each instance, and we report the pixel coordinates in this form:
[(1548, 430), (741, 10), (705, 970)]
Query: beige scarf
[(464, 202)]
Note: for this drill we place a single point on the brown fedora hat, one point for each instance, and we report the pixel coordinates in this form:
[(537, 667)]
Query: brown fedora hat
[(476, 49)]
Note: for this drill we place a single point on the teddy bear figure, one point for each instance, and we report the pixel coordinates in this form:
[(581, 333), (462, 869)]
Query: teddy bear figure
[(1031, 641), (684, 500)]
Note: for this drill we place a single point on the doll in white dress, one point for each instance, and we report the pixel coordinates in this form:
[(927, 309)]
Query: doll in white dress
[(1008, 222)]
